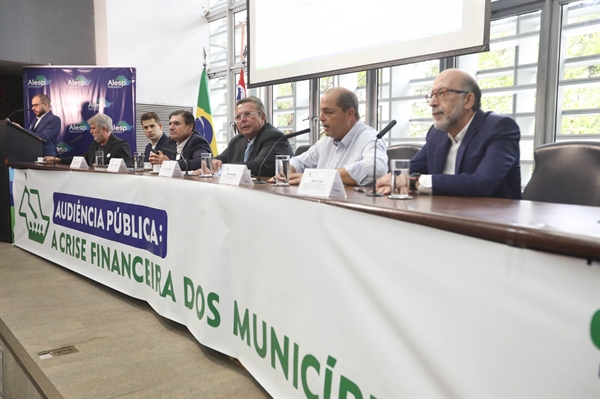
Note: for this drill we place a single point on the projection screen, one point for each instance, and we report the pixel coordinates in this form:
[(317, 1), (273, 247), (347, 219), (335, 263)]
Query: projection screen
[(290, 40)]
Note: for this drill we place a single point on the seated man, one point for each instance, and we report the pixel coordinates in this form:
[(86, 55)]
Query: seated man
[(349, 145), (46, 125), (153, 130), (255, 140), (468, 152), (185, 144), (101, 127)]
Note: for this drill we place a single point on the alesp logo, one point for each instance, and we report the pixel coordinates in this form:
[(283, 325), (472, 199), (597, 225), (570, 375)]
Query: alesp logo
[(118, 83), (39, 81), (31, 210), (99, 103), (122, 127), (79, 81), (79, 127)]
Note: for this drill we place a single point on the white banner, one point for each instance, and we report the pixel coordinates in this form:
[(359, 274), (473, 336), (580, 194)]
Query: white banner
[(320, 301)]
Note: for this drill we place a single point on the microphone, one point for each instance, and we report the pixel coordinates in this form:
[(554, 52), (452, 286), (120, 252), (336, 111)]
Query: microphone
[(285, 136), (174, 154), (290, 135), (386, 129), (19, 110)]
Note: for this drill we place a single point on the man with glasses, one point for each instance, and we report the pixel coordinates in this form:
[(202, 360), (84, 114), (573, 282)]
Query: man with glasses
[(467, 152), (255, 140), (46, 124)]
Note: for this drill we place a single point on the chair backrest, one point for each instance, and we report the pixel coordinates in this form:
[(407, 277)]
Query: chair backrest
[(403, 151), (301, 149), (566, 173)]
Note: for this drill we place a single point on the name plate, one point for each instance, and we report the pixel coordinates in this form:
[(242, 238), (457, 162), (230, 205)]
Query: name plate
[(235, 175), (79, 163), (170, 169), (322, 183), (117, 165)]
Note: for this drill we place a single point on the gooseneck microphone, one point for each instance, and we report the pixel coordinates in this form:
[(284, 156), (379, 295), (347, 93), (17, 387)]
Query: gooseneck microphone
[(386, 129), (17, 111), (285, 136)]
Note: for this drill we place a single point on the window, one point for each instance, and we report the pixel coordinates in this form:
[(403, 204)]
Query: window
[(402, 91), (507, 75), (578, 107)]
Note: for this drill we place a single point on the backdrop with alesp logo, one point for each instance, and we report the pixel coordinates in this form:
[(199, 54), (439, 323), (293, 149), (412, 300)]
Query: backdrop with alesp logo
[(77, 94)]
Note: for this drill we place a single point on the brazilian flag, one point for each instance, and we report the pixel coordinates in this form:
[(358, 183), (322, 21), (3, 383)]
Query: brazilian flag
[(204, 122)]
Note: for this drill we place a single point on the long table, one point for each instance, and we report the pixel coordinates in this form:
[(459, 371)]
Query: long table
[(433, 297)]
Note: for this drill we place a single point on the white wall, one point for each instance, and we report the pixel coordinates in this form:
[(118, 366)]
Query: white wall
[(162, 39)]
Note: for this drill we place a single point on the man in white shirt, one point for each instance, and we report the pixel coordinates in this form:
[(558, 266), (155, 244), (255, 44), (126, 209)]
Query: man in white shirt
[(348, 146)]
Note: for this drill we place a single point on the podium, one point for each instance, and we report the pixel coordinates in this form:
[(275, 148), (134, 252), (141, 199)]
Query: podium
[(16, 145)]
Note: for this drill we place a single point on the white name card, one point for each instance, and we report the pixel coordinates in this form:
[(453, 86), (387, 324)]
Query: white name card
[(323, 183), (79, 163), (170, 169), (117, 165), (235, 175)]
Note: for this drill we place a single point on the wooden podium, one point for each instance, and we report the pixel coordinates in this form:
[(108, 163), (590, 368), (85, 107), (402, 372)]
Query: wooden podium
[(16, 145)]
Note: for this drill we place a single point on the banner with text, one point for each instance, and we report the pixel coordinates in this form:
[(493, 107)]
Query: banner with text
[(321, 301)]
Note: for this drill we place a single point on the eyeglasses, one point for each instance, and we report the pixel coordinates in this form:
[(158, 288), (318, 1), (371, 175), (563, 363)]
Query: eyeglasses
[(442, 92), (245, 115), (36, 105)]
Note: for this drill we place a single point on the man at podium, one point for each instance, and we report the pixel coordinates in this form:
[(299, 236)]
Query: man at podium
[(46, 125)]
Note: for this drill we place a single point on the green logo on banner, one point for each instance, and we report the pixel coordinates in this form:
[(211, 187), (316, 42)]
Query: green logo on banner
[(31, 209), (595, 329)]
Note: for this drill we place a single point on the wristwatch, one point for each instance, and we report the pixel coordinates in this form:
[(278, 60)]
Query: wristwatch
[(414, 178)]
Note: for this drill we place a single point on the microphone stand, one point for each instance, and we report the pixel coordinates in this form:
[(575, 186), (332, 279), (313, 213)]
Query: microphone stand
[(386, 129), (285, 136)]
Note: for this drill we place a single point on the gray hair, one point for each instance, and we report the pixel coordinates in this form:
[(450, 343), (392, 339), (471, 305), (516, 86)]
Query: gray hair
[(260, 108), (347, 99), (102, 120), (470, 85)]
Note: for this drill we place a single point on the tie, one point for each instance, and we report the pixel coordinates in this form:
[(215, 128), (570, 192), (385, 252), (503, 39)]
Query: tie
[(248, 150), (34, 124)]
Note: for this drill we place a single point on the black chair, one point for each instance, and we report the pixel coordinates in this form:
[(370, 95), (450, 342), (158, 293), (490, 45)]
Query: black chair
[(301, 149), (566, 173), (403, 151)]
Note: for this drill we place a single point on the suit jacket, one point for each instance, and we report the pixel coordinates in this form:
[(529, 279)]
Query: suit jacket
[(487, 162), (191, 158), (48, 129), (159, 144), (264, 140), (114, 148)]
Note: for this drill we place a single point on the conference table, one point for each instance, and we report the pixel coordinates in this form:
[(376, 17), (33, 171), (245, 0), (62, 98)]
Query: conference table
[(321, 297)]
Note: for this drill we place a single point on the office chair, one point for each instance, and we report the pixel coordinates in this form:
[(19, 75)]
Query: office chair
[(403, 151), (566, 173), (301, 149)]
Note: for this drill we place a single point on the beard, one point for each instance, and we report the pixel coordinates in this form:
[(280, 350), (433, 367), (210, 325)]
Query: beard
[(449, 119)]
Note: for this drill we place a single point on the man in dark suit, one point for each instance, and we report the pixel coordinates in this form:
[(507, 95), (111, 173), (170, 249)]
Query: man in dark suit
[(46, 124), (185, 144), (255, 140), (153, 130), (101, 127), (467, 152)]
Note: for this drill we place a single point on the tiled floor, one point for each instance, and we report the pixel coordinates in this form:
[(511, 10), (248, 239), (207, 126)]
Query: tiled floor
[(126, 350)]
